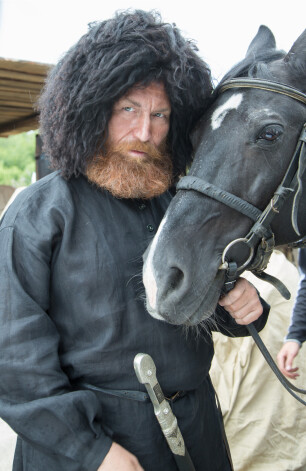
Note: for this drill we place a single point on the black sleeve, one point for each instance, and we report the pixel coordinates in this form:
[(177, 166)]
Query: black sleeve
[(297, 328), (36, 398), (227, 325)]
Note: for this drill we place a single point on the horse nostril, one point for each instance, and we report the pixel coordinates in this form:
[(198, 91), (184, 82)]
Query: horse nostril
[(176, 278)]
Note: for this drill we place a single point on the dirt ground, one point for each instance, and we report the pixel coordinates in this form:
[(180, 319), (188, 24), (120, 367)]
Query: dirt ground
[(7, 446)]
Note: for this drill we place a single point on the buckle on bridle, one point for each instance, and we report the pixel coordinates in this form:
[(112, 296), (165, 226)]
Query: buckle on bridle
[(231, 267), (231, 276)]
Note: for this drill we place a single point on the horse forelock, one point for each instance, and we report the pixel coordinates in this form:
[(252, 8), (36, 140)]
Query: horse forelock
[(250, 66), (259, 66)]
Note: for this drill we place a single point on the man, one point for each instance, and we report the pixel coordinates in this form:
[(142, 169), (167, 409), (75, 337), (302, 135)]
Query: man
[(116, 115), (297, 329)]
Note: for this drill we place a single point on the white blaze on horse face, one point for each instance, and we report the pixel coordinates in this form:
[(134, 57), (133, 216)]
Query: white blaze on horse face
[(149, 275), (219, 114)]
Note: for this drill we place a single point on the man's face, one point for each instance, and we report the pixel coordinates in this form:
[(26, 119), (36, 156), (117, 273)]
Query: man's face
[(142, 115), (135, 163)]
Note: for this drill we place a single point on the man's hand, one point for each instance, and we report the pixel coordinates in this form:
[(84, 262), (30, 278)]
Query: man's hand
[(285, 359), (242, 302), (119, 459)]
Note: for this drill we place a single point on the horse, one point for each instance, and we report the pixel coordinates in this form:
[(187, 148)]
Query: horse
[(243, 194)]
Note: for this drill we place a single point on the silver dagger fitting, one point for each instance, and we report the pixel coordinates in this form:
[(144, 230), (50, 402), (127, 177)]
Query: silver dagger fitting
[(146, 373)]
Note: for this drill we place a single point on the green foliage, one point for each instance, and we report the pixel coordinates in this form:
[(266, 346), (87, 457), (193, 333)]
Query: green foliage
[(17, 159)]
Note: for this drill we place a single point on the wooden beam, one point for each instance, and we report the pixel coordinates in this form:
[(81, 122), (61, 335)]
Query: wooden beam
[(20, 125), (24, 66), (28, 77), (21, 83), (12, 114)]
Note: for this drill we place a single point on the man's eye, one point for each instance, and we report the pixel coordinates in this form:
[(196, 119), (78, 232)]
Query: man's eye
[(128, 108), (270, 133), (164, 116)]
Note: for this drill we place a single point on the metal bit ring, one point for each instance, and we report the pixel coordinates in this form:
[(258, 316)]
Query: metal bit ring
[(229, 246)]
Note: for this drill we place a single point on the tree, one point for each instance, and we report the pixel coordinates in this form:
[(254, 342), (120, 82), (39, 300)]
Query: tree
[(17, 159)]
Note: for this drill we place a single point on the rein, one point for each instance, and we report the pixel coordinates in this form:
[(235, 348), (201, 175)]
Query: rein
[(260, 239)]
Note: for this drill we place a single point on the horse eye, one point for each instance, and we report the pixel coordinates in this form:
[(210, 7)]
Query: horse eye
[(270, 133)]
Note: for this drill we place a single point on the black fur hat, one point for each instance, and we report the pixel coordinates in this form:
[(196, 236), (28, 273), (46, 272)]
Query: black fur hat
[(134, 47)]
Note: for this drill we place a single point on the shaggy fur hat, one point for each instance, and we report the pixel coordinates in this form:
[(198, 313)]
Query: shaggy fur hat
[(134, 47)]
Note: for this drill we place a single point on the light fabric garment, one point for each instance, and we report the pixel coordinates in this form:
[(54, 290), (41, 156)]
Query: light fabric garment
[(6, 192), (265, 425), (7, 198)]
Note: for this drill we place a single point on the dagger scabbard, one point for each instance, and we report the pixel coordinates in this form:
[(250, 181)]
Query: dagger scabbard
[(146, 373)]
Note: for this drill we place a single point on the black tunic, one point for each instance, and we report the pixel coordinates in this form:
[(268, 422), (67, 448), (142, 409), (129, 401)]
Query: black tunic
[(72, 311)]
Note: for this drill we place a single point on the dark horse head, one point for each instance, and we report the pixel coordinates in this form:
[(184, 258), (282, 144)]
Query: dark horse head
[(243, 145)]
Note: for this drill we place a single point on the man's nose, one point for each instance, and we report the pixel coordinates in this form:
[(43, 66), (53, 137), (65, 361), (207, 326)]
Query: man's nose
[(142, 130)]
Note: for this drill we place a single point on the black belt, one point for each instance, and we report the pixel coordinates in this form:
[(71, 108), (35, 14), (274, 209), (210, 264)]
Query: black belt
[(129, 394)]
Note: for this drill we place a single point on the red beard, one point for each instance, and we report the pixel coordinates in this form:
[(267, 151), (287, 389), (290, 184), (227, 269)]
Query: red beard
[(131, 177)]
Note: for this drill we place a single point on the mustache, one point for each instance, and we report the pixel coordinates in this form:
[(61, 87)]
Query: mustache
[(153, 152)]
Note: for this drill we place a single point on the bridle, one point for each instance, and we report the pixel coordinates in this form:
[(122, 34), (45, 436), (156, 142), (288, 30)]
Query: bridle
[(260, 239)]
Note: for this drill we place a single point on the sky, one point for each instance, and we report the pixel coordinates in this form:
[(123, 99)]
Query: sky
[(43, 30)]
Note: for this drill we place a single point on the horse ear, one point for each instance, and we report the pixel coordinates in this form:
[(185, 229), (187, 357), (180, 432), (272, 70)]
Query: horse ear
[(263, 40), (298, 50)]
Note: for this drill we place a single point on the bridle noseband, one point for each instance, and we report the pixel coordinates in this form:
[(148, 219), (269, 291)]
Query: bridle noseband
[(260, 239)]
